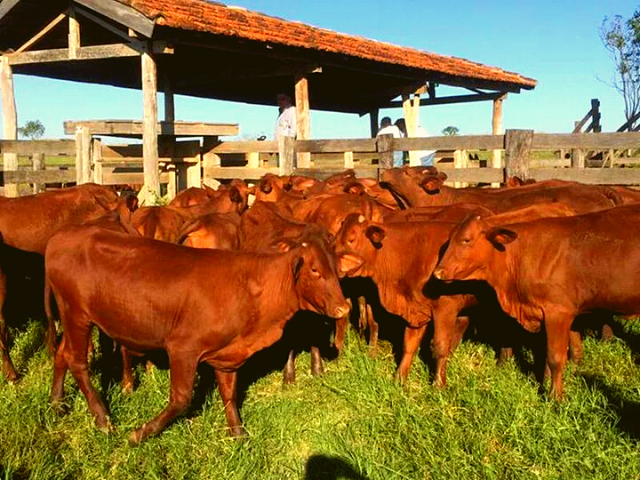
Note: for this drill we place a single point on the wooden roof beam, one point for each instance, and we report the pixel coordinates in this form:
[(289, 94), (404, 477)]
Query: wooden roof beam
[(454, 99), (7, 5), (123, 14), (41, 33), (107, 26)]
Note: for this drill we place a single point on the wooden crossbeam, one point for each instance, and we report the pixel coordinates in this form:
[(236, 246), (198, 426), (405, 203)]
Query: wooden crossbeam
[(107, 26), (41, 33), (453, 99), (123, 14), (96, 52)]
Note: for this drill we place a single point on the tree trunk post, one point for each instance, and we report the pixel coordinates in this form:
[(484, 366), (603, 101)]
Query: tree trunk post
[(496, 126), (303, 118), (518, 150), (150, 128)]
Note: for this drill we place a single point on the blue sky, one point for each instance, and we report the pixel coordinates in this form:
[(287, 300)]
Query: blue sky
[(555, 42)]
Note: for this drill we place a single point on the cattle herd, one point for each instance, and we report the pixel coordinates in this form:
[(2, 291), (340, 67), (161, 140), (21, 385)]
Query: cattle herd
[(209, 279)]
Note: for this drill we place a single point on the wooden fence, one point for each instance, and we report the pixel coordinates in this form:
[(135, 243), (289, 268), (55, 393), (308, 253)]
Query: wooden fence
[(190, 163)]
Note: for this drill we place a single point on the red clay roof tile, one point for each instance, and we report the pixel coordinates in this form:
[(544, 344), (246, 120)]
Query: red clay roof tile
[(216, 18)]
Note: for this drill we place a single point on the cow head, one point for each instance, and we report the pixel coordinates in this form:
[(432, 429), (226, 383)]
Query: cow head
[(471, 250), (358, 243), (315, 278)]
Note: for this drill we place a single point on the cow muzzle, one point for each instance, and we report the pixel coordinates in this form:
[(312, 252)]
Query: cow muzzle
[(439, 273), (342, 311)]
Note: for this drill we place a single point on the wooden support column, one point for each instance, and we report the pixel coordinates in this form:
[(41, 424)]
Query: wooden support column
[(348, 160), (460, 160), (517, 145), (83, 156), (286, 155), (210, 162), (374, 123), (168, 142), (150, 128), (496, 126), (38, 165), (74, 34), (303, 120), (384, 147), (9, 121), (96, 159), (414, 156)]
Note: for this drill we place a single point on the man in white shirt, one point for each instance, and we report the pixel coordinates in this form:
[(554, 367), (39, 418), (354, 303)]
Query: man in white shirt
[(427, 157), (387, 128), (286, 122)]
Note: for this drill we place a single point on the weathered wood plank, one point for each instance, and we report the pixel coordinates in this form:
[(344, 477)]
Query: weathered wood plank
[(303, 117), (337, 146), (95, 52), (38, 165), (74, 34), (41, 33), (132, 178), (29, 147), (322, 173), (286, 155), (167, 153), (594, 141), (246, 147), (453, 99), (240, 172), (40, 176), (123, 14), (385, 146), (603, 176), (496, 129), (134, 128), (455, 142), (473, 175)]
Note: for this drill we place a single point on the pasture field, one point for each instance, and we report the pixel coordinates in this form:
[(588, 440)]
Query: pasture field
[(355, 422)]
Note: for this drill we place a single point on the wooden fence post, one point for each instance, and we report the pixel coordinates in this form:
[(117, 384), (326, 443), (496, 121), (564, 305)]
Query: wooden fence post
[(38, 164), (517, 145), (286, 155), (460, 160), (384, 146), (9, 120), (210, 161), (83, 155), (348, 159), (150, 127), (96, 154), (577, 158)]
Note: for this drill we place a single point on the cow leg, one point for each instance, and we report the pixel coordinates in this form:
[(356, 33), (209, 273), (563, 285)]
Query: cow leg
[(412, 340), (289, 372), (59, 372), (75, 355), (341, 328), (362, 315), (373, 328), (127, 370), (8, 369), (227, 385), (607, 332), (557, 329), (183, 373), (575, 346), (317, 368)]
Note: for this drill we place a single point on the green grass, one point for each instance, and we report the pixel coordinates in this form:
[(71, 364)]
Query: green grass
[(355, 422)]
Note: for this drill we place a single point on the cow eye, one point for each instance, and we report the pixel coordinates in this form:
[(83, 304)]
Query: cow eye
[(466, 241)]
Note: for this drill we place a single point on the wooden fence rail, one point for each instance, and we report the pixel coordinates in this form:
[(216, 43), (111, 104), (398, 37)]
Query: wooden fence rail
[(111, 164)]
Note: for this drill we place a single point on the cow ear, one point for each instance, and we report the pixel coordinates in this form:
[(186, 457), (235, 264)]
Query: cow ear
[(354, 188), (235, 195), (132, 203), (431, 184), (188, 228), (376, 234), (297, 266), (500, 236), (348, 262), (265, 185)]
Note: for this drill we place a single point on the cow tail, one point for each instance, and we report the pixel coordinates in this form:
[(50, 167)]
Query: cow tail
[(52, 333)]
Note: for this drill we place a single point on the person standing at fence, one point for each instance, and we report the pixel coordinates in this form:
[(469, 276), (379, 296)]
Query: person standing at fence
[(387, 128), (427, 157), (286, 122)]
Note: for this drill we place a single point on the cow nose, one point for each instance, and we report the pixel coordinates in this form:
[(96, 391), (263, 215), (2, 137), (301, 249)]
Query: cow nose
[(342, 311), (438, 273)]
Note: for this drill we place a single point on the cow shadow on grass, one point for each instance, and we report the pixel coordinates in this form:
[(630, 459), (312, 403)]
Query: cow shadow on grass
[(627, 411), (325, 467)]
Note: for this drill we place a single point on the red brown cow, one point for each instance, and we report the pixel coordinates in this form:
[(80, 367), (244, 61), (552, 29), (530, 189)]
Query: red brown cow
[(215, 230), (552, 270), (27, 223), (175, 301), (427, 189)]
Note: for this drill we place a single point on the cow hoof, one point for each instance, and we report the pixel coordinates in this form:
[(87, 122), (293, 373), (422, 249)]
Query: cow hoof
[(373, 352), (239, 433), (286, 380), (127, 388), (105, 426), (58, 407), (136, 437)]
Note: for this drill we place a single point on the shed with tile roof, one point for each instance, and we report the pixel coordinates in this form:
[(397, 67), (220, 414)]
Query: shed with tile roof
[(210, 50)]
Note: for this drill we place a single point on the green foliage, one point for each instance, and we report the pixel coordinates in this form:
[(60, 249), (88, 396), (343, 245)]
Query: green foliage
[(450, 131), (621, 37), (355, 422), (33, 130)]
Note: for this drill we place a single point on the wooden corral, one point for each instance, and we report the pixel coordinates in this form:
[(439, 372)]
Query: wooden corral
[(240, 55)]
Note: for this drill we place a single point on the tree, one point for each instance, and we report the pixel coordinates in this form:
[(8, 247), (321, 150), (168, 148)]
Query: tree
[(450, 131), (32, 130), (622, 39)]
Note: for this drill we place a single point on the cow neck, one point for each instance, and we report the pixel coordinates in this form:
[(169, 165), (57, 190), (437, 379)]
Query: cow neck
[(274, 288)]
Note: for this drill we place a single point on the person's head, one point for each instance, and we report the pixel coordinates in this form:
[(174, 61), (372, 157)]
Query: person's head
[(385, 122), (402, 126), (284, 100)]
